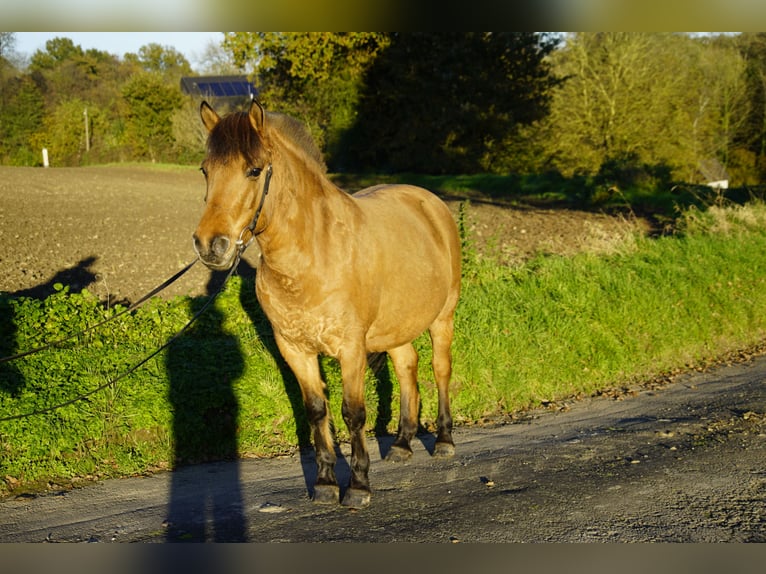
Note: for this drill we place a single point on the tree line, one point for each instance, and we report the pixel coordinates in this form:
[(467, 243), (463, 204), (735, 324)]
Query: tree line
[(658, 106)]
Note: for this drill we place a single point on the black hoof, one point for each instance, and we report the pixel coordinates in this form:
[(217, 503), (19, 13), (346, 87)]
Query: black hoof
[(356, 498), (444, 450), (398, 454), (326, 494)]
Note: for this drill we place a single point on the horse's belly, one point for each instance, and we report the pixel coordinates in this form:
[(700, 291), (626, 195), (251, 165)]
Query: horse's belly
[(327, 331), (403, 321)]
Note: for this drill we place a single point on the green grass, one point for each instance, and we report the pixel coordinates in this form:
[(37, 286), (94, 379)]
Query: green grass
[(551, 328)]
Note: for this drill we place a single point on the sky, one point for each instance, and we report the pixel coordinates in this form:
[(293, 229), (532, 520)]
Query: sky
[(190, 44)]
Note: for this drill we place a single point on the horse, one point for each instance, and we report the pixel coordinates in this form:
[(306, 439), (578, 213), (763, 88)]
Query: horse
[(341, 275)]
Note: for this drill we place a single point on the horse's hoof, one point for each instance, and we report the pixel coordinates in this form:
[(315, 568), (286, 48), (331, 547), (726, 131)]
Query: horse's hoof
[(326, 494), (444, 450), (398, 454), (356, 498)]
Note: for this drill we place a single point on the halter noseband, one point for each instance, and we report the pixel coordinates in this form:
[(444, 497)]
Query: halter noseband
[(251, 227)]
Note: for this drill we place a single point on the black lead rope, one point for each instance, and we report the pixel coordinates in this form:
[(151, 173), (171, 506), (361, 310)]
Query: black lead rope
[(133, 307), (143, 361)]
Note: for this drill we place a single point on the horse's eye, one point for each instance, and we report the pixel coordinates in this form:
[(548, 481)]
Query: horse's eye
[(204, 171), (254, 172)]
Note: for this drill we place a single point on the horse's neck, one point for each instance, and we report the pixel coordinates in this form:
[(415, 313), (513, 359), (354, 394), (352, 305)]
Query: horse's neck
[(299, 219)]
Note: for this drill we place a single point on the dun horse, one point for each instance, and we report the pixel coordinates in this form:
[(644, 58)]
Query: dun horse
[(340, 275)]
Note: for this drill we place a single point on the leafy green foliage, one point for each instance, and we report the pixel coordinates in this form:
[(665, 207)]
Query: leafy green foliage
[(149, 126), (315, 77), (162, 60), (43, 106), (23, 110), (63, 133), (654, 99), (430, 102), (689, 106)]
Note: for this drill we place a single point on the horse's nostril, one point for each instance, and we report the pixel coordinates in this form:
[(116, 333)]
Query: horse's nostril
[(220, 246), (197, 244)]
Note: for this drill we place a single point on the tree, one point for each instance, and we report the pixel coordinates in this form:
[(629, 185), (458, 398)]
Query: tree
[(149, 122), (723, 90), (215, 60), (22, 114), (315, 76), (450, 102), (163, 60), (57, 50), (7, 44), (637, 100), (130, 103), (63, 133), (753, 47)]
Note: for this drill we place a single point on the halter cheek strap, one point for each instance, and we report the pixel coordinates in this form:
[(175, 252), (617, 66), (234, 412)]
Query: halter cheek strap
[(241, 245)]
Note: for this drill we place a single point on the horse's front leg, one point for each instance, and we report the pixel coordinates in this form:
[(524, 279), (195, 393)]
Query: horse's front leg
[(353, 364), (305, 366)]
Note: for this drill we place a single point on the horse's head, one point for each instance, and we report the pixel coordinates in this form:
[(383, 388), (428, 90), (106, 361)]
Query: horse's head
[(237, 168)]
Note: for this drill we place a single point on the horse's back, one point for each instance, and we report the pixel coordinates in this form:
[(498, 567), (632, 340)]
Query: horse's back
[(391, 204)]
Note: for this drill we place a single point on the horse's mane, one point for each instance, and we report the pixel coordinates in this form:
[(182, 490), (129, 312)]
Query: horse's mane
[(298, 134), (234, 135)]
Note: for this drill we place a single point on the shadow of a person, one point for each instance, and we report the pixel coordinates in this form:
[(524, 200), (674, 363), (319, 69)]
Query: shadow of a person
[(11, 379), (76, 278), (205, 415), (265, 333)]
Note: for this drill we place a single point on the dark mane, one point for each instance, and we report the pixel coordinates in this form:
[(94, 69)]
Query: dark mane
[(235, 136), (297, 133)]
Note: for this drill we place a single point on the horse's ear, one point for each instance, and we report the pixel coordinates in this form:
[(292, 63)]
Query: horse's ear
[(257, 115), (208, 115)]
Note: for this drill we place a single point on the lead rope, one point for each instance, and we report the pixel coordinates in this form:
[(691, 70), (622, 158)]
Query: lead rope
[(133, 307), (140, 363)]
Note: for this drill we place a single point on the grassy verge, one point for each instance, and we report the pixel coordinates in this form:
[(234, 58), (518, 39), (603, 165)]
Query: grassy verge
[(549, 329)]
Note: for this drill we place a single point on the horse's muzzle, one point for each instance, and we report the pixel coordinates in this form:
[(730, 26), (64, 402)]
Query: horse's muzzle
[(218, 254)]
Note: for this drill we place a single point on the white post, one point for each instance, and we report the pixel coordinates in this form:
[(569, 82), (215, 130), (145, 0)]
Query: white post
[(45, 157), (87, 135)]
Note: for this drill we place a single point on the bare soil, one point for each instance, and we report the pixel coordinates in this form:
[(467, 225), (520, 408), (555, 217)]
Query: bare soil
[(675, 460), (120, 231)]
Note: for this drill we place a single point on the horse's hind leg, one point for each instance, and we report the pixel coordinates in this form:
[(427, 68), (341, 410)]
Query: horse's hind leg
[(442, 331), (405, 360)]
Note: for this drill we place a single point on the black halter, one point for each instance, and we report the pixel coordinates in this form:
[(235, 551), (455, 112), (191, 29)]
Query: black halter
[(251, 228)]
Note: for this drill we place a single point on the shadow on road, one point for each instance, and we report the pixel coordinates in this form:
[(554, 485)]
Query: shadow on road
[(205, 415)]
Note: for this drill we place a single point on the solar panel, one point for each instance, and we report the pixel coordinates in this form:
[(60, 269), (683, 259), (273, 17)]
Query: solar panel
[(218, 86)]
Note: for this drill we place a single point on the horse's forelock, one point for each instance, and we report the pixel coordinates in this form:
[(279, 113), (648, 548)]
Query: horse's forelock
[(233, 136)]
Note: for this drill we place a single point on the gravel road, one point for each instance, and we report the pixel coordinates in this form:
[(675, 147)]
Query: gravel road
[(682, 463)]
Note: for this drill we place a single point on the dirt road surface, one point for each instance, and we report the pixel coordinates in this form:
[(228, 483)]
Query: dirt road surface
[(683, 463)]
